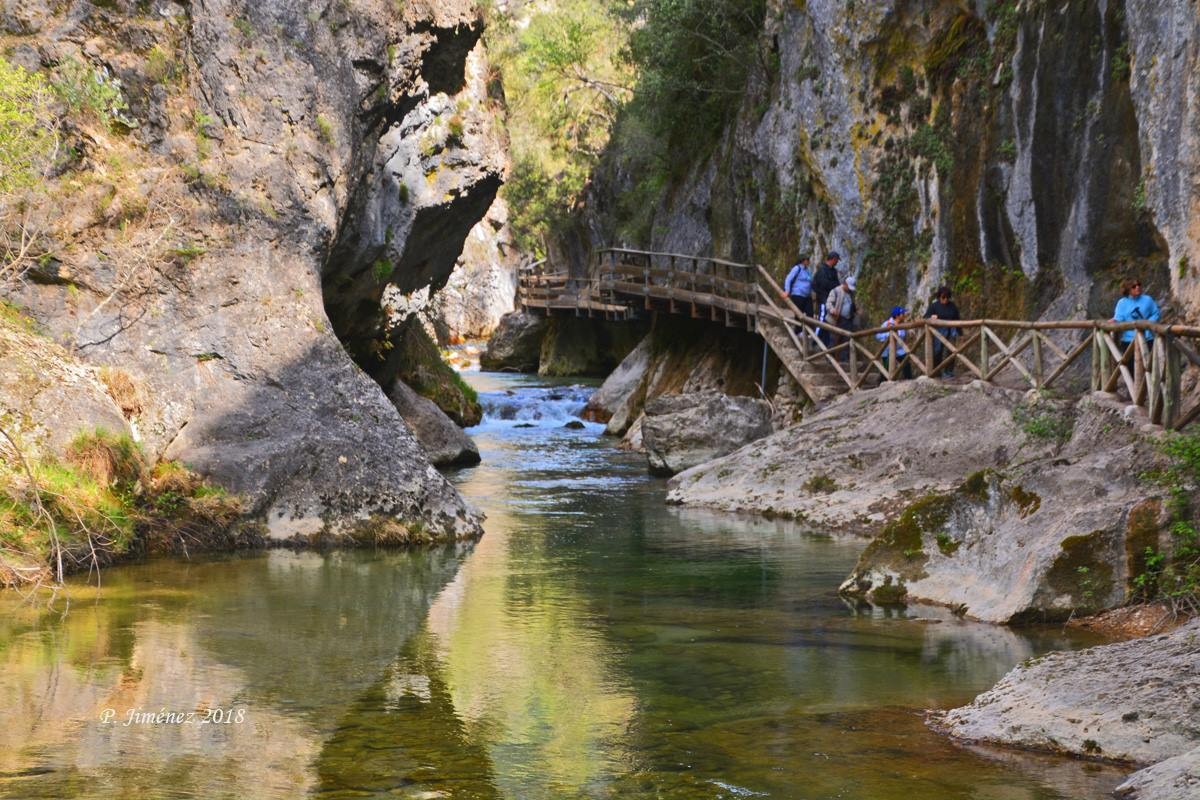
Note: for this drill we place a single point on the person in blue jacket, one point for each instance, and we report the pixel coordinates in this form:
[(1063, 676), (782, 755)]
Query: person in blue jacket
[(798, 286), (1134, 306)]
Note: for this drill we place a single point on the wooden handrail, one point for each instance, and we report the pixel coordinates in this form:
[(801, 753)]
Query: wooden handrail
[(623, 280)]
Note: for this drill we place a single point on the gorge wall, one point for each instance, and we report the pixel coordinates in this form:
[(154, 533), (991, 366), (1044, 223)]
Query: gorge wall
[(1028, 154), (233, 236)]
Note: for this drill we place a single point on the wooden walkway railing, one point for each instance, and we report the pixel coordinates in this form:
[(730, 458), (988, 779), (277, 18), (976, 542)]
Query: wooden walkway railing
[(1067, 356)]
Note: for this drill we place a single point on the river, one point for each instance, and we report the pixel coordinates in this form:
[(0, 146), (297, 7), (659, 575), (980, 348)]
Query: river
[(594, 643)]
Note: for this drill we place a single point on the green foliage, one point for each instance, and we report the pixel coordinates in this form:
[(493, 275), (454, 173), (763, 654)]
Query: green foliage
[(88, 91), (383, 269), (563, 81), (1120, 69), (324, 129), (820, 483), (1140, 200), (27, 138), (1175, 576), (94, 502), (1044, 424), (161, 66), (692, 58)]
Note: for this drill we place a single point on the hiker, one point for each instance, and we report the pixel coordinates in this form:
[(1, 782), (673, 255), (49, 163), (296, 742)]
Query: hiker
[(1134, 306), (840, 312), (798, 286), (897, 318), (825, 281), (943, 308)]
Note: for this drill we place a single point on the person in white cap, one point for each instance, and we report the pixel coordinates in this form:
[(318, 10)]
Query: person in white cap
[(840, 311)]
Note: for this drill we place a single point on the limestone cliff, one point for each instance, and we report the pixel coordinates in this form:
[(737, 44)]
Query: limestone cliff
[(1026, 153), (277, 170)]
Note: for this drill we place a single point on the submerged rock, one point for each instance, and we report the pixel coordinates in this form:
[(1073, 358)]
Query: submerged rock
[(851, 466), (1044, 540), (444, 442), (1135, 701), (516, 345), (682, 430)]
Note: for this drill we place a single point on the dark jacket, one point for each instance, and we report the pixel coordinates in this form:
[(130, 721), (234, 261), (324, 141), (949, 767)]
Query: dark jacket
[(824, 282), (944, 311)]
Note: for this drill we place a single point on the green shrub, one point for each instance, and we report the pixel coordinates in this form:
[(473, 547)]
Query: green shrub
[(91, 92), (1175, 576), (27, 132)]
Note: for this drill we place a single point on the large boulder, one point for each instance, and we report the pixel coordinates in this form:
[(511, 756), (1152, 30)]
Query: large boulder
[(679, 356), (516, 346), (445, 443), (1136, 701), (617, 401), (682, 430), (850, 466), (239, 265), (1043, 540)]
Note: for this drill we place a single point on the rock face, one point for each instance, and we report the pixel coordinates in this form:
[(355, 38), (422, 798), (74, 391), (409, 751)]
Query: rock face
[(483, 286), (683, 430), (850, 466), (444, 442), (1136, 701), (295, 167), (1041, 541), (582, 346), (516, 345), (47, 397), (949, 142)]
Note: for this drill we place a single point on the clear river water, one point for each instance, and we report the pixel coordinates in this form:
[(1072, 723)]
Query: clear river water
[(595, 643)]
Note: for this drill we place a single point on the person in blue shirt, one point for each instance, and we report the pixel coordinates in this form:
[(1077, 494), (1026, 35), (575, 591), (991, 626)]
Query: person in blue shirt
[(798, 286), (1134, 306)]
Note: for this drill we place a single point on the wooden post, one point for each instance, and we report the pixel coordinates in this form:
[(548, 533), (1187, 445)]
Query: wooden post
[(1154, 397), (1038, 365), (929, 370), (1171, 383), (853, 361), (1104, 356), (891, 367), (1139, 368), (1096, 359), (983, 351)]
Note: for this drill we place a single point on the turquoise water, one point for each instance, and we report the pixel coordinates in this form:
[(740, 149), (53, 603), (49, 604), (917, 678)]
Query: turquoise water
[(595, 643)]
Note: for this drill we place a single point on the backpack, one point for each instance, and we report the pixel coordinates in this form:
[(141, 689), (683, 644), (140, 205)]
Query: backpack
[(799, 283)]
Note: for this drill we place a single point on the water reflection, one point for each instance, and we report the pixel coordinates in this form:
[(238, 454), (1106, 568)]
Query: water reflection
[(594, 644), (292, 639)]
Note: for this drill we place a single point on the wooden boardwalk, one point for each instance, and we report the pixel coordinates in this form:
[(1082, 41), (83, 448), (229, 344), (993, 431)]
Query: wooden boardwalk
[(1068, 357)]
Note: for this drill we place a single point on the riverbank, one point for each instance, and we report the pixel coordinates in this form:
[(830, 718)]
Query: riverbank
[(704, 650)]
